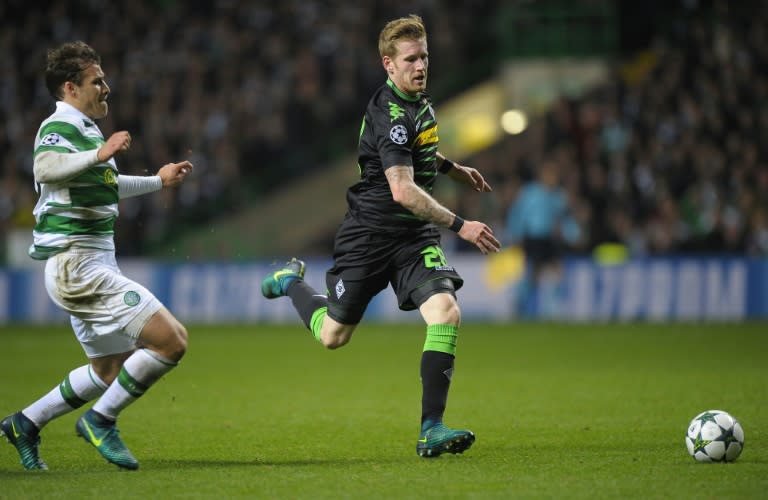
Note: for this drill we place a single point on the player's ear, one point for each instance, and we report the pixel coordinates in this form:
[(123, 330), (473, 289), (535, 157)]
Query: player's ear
[(69, 89), (386, 61)]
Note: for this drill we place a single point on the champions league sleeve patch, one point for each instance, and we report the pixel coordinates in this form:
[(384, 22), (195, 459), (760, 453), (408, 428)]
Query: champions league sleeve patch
[(51, 139), (398, 134)]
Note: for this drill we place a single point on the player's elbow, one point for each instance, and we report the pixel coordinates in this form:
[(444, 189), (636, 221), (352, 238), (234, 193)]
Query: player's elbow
[(405, 194), (398, 194), (42, 168)]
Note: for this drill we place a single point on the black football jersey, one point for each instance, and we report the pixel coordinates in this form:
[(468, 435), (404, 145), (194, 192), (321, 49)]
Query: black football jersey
[(397, 129)]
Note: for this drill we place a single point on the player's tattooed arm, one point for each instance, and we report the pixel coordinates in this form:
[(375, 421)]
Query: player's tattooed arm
[(407, 193)]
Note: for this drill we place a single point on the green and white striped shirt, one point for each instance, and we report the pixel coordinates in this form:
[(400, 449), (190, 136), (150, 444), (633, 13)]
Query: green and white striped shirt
[(80, 211)]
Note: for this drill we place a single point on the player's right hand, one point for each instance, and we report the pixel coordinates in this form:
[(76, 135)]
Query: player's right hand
[(117, 142), (480, 235)]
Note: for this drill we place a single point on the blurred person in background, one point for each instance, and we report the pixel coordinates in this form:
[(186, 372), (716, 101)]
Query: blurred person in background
[(540, 222), (390, 235), (131, 340)]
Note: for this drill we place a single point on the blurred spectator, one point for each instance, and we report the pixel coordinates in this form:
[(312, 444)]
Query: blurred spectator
[(540, 221)]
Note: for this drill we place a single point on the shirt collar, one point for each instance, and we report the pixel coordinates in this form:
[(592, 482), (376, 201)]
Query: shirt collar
[(66, 108), (402, 94)]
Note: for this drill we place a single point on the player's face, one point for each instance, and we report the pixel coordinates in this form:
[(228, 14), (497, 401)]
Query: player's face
[(408, 68), (90, 96)]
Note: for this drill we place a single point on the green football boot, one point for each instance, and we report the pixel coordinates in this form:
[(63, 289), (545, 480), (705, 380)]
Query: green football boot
[(22, 433), (104, 436), (276, 284), (438, 439)]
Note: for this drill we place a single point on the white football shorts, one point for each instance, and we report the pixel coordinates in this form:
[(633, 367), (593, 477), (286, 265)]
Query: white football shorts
[(107, 310)]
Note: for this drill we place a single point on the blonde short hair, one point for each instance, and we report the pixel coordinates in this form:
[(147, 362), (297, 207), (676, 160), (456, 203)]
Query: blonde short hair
[(404, 28)]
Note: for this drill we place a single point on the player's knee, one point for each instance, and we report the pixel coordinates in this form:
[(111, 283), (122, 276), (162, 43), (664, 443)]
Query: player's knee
[(441, 308), (451, 313), (334, 334), (180, 340), (334, 341), (337, 336), (173, 345)]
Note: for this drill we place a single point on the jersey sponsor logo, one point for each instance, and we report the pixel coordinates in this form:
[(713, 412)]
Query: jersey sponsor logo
[(398, 134), (131, 298), (340, 289), (395, 111), (427, 137), (51, 139)]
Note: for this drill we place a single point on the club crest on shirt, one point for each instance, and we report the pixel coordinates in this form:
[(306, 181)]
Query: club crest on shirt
[(110, 179), (50, 139), (398, 134), (131, 298)]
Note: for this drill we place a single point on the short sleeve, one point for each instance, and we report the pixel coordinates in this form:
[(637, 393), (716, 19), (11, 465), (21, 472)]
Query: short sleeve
[(394, 132)]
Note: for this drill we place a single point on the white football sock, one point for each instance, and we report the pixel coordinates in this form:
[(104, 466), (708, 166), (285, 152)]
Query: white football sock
[(142, 369), (79, 387)]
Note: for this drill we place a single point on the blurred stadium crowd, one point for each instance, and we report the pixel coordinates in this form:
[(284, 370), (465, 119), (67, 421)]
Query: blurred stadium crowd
[(674, 160), (250, 92), (255, 93)]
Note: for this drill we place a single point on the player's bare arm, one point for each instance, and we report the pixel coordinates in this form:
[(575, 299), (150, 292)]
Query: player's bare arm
[(407, 193)]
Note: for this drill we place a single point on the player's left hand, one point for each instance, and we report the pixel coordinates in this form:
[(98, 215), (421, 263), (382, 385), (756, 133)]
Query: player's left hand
[(480, 235), (173, 174), (469, 176)]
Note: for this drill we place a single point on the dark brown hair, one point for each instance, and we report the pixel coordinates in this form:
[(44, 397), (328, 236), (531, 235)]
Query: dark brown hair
[(66, 63)]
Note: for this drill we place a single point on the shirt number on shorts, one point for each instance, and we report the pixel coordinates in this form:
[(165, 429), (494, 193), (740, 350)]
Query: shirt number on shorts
[(433, 257)]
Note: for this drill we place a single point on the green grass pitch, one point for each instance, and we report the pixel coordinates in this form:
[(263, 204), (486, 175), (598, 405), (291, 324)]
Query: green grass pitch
[(263, 411)]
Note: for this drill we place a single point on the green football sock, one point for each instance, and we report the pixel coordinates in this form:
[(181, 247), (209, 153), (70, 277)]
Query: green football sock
[(316, 323)]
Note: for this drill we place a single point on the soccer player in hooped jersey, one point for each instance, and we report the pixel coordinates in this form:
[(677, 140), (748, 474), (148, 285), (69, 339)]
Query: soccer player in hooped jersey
[(390, 234), (129, 337)]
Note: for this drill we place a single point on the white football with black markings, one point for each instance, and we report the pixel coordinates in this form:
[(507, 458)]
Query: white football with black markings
[(714, 436)]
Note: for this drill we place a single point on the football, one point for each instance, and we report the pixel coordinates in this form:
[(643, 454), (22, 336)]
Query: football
[(714, 436)]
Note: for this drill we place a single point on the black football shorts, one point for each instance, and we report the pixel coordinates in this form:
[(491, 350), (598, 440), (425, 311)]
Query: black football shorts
[(367, 260)]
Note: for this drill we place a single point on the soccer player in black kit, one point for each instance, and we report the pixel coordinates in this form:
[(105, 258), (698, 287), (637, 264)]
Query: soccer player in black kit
[(390, 234)]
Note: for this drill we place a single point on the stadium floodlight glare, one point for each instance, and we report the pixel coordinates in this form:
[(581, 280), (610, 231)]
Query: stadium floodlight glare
[(514, 121)]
